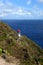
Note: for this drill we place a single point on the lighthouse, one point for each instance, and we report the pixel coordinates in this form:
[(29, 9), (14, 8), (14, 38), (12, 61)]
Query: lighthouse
[(19, 33)]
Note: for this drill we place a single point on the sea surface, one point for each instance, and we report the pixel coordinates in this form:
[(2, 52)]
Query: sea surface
[(33, 29)]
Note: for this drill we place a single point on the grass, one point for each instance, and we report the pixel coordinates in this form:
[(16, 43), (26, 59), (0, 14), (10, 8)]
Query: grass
[(3, 36), (15, 47)]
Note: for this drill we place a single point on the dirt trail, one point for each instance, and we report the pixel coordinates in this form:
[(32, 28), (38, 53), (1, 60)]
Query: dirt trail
[(3, 62)]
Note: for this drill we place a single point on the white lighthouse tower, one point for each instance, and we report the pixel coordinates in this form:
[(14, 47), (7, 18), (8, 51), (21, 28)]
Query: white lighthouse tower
[(19, 33)]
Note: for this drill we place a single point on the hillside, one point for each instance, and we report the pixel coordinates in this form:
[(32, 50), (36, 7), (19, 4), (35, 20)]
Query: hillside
[(23, 50)]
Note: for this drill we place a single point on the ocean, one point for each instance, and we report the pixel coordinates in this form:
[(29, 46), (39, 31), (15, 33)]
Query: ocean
[(33, 29)]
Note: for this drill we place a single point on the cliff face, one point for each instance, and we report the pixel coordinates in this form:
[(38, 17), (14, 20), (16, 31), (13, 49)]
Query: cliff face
[(23, 49)]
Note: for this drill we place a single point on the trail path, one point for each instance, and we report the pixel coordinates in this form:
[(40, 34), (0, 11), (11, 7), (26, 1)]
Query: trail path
[(3, 62)]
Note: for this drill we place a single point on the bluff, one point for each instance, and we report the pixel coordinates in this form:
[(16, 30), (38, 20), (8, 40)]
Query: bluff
[(22, 49)]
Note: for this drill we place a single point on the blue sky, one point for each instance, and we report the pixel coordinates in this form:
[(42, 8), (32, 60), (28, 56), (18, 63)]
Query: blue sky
[(21, 9)]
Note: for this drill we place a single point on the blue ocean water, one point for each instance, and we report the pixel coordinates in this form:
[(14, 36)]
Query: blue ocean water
[(33, 29)]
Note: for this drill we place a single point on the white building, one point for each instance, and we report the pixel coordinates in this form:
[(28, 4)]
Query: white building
[(19, 34)]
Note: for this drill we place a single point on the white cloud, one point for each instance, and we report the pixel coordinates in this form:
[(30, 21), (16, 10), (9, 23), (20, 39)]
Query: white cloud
[(7, 9), (21, 12), (41, 13), (1, 4), (29, 13), (28, 2), (37, 11), (9, 3), (3, 14), (41, 1)]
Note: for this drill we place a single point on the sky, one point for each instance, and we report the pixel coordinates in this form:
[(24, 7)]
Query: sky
[(21, 9)]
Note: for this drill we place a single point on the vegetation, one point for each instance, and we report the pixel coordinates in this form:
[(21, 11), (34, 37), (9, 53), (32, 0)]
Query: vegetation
[(24, 49)]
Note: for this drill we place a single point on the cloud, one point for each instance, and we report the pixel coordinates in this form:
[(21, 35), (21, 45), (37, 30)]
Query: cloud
[(7, 9), (28, 2), (41, 13), (3, 14), (37, 12), (8, 3), (1, 4), (22, 12), (41, 1)]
